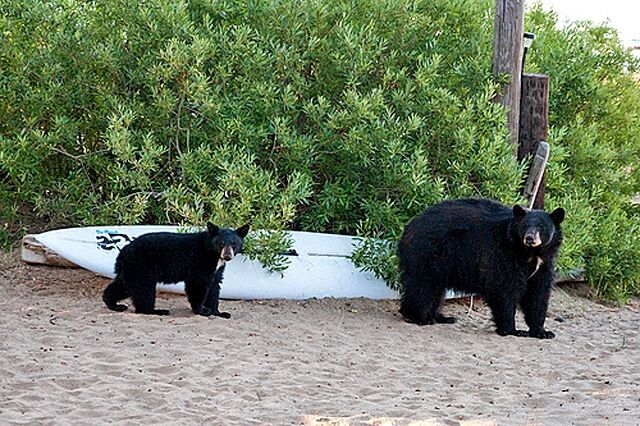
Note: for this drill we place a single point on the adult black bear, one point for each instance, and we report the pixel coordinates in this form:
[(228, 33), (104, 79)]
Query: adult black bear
[(505, 255), (198, 259)]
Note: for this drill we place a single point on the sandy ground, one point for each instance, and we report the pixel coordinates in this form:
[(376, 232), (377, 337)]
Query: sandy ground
[(66, 359)]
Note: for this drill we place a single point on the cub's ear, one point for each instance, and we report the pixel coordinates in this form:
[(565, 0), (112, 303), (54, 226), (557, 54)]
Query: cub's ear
[(213, 229), (557, 216), (243, 230), (519, 212)]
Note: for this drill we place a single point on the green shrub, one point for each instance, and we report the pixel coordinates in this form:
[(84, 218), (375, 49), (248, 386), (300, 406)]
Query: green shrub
[(322, 116), (332, 116)]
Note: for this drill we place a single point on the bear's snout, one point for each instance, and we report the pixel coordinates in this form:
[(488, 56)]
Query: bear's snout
[(532, 239), (227, 254)]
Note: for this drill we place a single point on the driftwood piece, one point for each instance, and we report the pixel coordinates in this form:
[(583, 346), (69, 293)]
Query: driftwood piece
[(536, 173), (32, 251)]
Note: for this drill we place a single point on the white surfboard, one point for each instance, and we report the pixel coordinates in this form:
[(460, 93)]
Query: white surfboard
[(321, 266)]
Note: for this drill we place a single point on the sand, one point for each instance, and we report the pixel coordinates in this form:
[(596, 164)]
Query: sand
[(66, 359)]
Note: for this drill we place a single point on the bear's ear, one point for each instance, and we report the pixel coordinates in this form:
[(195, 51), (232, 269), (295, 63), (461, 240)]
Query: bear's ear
[(213, 229), (243, 230), (557, 216), (519, 212)]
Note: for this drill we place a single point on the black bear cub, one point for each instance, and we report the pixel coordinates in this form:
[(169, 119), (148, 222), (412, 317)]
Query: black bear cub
[(198, 259), (506, 255)]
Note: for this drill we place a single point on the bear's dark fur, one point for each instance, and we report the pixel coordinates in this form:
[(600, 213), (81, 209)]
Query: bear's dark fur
[(198, 259), (505, 255)]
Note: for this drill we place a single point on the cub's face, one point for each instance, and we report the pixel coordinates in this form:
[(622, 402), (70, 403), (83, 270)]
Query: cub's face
[(536, 228), (228, 242)]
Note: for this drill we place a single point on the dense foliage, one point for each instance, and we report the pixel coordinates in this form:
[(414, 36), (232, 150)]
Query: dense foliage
[(595, 137), (333, 116)]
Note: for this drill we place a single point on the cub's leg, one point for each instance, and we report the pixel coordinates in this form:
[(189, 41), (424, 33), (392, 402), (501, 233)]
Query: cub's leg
[(143, 295), (210, 306), (212, 298), (196, 291), (115, 292)]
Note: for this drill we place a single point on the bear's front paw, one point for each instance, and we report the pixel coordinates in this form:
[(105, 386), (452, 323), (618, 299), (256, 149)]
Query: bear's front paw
[(514, 332), (204, 311), (420, 322), (225, 315), (542, 334)]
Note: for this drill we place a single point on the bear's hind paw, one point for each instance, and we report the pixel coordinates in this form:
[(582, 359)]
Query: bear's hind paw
[(420, 322), (225, 315), (119, 308), (517, 333), (204, 311), (542, 334), (153, 312), (441, 319)]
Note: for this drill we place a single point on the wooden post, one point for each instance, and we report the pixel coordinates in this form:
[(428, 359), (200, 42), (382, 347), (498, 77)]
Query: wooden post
[(534, 115), (508, 28)]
